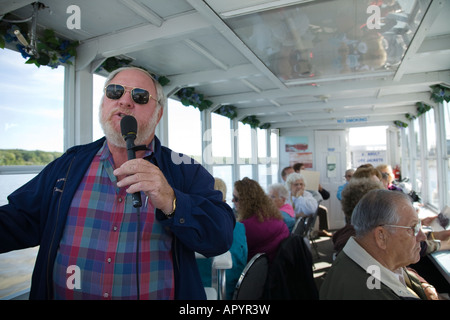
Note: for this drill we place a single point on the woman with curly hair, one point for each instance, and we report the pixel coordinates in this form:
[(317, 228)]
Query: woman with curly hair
[(351, 194), (264, 225)]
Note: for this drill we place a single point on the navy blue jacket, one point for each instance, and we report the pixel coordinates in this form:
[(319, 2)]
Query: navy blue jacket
[(36, 215)]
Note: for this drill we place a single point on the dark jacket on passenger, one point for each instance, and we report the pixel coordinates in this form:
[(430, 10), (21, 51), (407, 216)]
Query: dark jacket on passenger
[(290, 275), (36, 215)]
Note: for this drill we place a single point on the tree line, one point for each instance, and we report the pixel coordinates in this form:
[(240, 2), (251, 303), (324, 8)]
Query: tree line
[(15, 157)]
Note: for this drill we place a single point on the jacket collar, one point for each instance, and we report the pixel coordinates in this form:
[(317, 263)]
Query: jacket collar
[(393, 280)]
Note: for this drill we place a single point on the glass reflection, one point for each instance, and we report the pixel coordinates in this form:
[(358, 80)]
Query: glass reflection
[(329, 38)]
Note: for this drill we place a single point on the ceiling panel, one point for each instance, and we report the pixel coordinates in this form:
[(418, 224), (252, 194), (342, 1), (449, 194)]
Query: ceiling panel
[(280, 60)]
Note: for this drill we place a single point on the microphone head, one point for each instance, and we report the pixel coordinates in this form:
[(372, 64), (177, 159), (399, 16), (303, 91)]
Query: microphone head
[(128, 127)]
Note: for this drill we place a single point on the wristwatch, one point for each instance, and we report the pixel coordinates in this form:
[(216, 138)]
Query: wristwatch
[(174, 206)]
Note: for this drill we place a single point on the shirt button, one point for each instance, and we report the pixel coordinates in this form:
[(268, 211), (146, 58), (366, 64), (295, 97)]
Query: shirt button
[(115, 228), (109, 260), (181, 220), (106, 295), (120, 200)]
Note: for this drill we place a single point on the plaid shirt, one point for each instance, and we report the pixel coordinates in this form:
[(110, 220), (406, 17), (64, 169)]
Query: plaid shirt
[(100, 239)]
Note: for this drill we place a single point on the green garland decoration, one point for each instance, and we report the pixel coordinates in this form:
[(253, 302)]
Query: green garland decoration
[(228, 111), (400, 124), (265, 126), (422, 108), (52, 51), (253, 121), (189, 97), (439, 93), (113, 63)]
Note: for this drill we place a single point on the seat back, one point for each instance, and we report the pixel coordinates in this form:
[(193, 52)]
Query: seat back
[(305, 225), (309, 224), (252, 281), (290, 275)]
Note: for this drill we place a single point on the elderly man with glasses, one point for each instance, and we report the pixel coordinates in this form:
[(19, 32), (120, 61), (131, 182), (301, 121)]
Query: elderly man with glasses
[(372, 264)]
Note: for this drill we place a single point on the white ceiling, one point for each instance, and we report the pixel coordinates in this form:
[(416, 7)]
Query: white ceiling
[(192, 43)]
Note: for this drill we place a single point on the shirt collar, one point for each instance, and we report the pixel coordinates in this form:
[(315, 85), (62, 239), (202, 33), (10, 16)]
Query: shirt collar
[(389, 278), (105, 153)]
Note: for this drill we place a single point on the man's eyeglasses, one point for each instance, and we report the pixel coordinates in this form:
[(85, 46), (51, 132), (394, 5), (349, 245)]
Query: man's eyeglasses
[(116, 91), (416, 229)]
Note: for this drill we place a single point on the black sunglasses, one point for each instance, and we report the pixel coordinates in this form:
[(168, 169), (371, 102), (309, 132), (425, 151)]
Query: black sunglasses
[(115, 91)]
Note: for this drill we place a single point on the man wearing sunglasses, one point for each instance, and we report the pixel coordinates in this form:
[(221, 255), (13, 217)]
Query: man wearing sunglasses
[(79, 210), (372, 265)]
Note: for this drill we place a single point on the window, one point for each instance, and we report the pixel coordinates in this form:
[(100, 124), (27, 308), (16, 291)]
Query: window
[(446, 108), (274, 156), (245, 151), (32, 109), (244, 143), (431, 160), (221, 145), (221, 136), (99, 82), (185, 130), (368, 145), (417, 161), (225, 172)]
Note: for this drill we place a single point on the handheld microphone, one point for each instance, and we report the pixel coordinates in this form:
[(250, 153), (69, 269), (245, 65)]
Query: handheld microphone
[(128, 127)]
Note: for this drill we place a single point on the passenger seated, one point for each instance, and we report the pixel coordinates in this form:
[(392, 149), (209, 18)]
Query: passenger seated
[(238, 251), (355, 189), (372, 265), (264, 225), (301, 200), (387, 170), (279, 194), (348, 175), (368, 172)]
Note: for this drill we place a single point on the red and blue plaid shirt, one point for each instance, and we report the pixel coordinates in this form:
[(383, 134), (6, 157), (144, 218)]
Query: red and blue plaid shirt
[(100, 240)]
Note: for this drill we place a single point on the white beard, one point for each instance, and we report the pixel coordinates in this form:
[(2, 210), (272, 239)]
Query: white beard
[(114, 137)]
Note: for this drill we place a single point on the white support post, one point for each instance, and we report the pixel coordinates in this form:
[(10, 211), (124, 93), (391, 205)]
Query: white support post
[(78, 123)]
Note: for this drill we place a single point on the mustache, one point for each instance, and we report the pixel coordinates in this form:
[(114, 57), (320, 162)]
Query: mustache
[(120, 112)]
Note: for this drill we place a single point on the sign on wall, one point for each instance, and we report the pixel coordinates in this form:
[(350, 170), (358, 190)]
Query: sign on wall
[(373, 157), (298, 151)]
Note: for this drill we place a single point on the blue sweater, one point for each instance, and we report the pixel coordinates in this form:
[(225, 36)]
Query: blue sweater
[(36, 215)]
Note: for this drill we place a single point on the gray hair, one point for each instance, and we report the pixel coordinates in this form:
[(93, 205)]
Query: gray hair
[(280, 189), (160, 95), (377, 207), (294, 177)]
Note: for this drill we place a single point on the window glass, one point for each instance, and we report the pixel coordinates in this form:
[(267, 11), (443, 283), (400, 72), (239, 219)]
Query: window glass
[(221, 139), (263, 172), (32, 111), (245, 171), (448, 179), (225, 173), (431, 133), (274, 157), (262, 145), (433, 192), (244, 143), (98, 83), (185, 129), (447, 126), (417, 137)]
